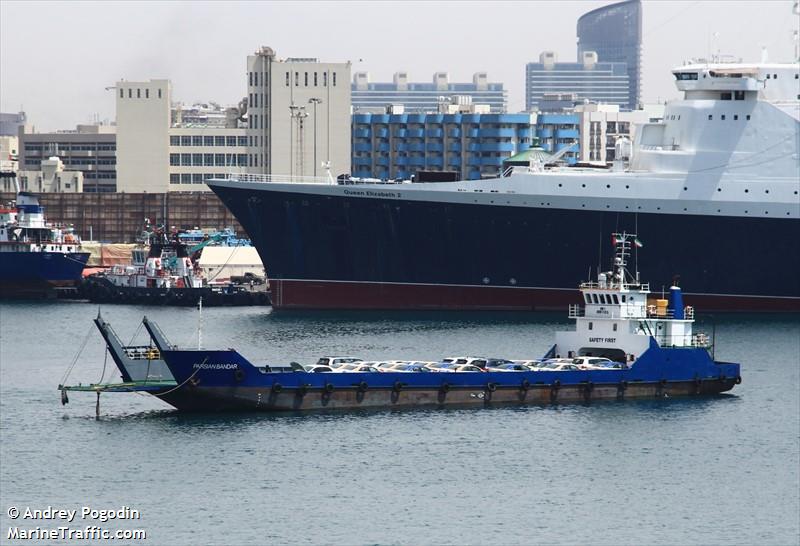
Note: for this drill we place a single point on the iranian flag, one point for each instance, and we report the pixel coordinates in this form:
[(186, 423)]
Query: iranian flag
[(637, 242), (617, 239)]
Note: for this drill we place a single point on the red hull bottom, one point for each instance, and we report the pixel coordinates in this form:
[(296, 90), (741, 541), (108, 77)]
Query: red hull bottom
[(294, 294)]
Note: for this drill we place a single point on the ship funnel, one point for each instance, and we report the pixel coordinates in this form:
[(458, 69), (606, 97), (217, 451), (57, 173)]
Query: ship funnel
[(676, 302)]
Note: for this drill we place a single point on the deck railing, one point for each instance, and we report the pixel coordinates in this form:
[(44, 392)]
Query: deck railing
[(275, 178)]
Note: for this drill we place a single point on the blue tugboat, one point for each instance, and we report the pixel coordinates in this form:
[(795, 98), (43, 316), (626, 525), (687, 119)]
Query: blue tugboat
[(36, 258), (627, 346)]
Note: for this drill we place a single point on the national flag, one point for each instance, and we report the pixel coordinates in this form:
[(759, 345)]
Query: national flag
[(617, 239), (637, 242)]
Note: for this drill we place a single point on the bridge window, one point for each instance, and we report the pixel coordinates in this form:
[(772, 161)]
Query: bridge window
[(623, 298), (590, 326), (726, 96), (587, 298), (738, 95), (616, 301), (615, 326), (686, 76)]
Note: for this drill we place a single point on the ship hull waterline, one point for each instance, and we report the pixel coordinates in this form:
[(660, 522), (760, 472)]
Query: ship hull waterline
[(339, 252), (199, 398)]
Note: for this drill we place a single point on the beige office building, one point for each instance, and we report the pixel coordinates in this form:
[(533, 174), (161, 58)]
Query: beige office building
[(298, 115)]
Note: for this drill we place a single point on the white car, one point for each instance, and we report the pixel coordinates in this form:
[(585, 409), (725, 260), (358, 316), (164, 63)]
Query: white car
[(559, 367), (361, 368), (464, 368), (336, 361), (593, 363), (316, 368)]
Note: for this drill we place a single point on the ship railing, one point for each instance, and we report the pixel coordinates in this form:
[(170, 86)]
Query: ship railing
[(275, 178), (576, 311), (142, 352), (642, 287), (654, 312), (699, 340)]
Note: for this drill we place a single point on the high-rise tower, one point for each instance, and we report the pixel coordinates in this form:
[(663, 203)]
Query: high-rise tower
[(615, 33)]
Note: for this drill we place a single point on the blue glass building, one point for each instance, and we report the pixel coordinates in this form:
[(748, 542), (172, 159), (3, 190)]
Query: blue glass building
[(473, 145), (615, 33), (600, 82)]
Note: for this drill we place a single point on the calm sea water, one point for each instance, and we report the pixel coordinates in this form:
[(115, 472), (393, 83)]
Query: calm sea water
[(721, 470)]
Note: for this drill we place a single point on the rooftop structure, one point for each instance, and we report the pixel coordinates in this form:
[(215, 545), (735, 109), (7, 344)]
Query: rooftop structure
[(418, 97)]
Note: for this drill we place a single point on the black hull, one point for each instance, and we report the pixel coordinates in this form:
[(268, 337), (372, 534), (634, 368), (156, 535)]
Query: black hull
[(101, 290), (404, 254)]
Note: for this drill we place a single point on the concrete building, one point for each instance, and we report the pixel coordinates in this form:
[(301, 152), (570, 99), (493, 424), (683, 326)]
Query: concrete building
[(614, 32), (373, 97), (590, 79), (601, 125), (298, 115), (89, 148), (51, 177), (163, 146), (472, 145), (9, 155)]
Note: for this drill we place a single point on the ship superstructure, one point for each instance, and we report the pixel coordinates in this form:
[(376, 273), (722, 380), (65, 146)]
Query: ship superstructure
[(721, 166)]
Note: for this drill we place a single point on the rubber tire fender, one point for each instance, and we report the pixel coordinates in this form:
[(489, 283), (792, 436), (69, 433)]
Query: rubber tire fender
[(238, 375), (491, 387), (328, 388), (277, 387)]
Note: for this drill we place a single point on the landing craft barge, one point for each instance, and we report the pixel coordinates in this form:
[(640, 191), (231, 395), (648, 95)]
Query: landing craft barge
[(723, 164), (658, 352)]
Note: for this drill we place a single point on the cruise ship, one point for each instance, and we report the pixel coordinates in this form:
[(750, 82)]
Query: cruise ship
[(711, 189)]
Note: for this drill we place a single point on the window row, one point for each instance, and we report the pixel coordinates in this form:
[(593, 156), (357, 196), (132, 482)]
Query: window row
[(199, 140), (208, 160), (604, 299), (138, 93), (726, 95), (190, 178), (57, 147), (722, 117), (311, 79)]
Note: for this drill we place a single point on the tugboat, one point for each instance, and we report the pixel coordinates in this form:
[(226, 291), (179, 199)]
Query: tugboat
[(37, 259), (653, 351), (163, 272)]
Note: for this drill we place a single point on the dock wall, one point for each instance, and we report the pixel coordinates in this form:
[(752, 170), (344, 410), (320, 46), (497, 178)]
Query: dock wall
[(119, 217)]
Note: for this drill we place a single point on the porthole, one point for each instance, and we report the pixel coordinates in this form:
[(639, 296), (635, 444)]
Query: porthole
[(719, 210), (560, 185), (608, 185), (685, 188), (583, 185), (766, 191), (608, 206), (627, 187), (746, 191), (766, 212), (584, 205), (719, 189), (745, 212), (685, 209), (658, 208)]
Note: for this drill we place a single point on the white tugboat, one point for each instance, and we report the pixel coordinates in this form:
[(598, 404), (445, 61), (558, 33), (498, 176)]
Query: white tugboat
[(619, 318)]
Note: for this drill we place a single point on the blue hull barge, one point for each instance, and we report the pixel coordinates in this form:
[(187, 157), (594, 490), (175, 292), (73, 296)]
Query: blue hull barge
[(653, 350)]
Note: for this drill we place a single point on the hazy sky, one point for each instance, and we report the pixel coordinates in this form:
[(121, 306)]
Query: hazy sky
[(56, 58)]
